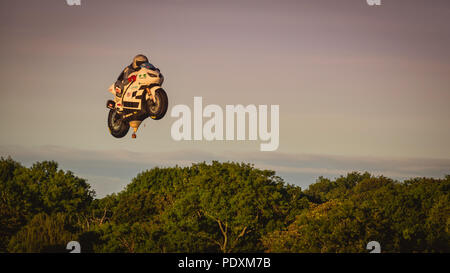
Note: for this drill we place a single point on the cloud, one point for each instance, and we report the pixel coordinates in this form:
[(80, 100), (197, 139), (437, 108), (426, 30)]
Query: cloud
[(110, 170)]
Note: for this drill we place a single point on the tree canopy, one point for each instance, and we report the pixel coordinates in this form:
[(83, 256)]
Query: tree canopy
[(220, 207)]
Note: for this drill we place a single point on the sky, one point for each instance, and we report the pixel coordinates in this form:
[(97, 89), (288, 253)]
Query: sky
[(360, 88)]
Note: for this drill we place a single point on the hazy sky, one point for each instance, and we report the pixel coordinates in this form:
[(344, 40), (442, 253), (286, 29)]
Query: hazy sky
[(359, 87)]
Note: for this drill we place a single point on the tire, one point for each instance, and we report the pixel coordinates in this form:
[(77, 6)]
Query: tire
[(117, 127), (158, 110)]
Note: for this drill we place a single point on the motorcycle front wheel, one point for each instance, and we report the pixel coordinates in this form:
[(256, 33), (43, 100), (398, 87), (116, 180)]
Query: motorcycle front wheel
[(117, 127), (158, 109)]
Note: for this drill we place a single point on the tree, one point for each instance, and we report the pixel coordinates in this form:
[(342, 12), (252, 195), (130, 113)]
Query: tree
[(41, 189), (220, 207), (203, 208), (44, 233), (404, 217), (13, 211)]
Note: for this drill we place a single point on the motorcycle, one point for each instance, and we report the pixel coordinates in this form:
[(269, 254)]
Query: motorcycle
[(141, 97)]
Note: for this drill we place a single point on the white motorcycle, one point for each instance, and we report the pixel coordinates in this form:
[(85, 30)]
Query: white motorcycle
[(141, 97)]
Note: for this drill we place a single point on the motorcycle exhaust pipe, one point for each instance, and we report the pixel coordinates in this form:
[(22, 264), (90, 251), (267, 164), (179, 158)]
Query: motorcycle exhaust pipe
[(135, 125)]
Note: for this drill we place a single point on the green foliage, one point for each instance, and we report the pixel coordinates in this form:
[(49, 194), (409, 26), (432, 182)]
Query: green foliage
[(404, 217), (26, 192), (44, 233), (220, 207), (204, 208), (13, 212)]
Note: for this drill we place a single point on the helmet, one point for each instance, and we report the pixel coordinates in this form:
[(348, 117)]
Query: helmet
[(148, 66), (138, 60)]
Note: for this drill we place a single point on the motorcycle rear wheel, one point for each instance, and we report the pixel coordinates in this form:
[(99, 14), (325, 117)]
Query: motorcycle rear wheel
[(117, 127)]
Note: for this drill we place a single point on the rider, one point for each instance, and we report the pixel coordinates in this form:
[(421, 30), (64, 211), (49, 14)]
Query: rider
[(122, 80)]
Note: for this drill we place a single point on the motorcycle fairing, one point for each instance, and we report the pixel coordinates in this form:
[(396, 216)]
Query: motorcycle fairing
[(135, 93)]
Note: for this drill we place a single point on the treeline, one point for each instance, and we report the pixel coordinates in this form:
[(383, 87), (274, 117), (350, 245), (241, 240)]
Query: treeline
[(220, 207)]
